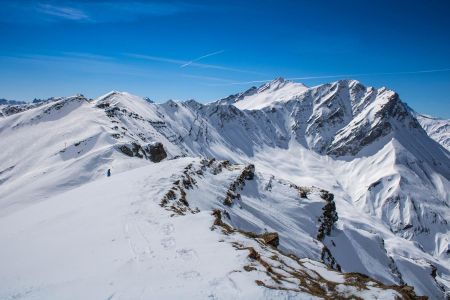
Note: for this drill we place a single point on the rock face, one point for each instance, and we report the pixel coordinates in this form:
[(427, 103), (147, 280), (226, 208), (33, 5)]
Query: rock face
[(157, 152), (154, 151), (247, 174), (329, 216)]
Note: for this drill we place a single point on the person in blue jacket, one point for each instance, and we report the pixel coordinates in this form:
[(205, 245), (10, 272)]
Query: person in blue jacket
[(108, 173)]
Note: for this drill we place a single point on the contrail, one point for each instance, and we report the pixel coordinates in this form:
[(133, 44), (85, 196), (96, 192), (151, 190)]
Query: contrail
[(201, 57), (192, 63), (350, 75)]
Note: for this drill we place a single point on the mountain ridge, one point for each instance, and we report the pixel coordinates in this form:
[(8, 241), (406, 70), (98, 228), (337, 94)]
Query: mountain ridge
[(362, 144)]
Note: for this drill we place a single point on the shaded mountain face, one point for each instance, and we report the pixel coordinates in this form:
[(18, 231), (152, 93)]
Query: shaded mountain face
[(389, 179)]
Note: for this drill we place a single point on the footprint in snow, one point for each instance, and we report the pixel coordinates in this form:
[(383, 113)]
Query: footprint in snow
[(168, 243), (167, 229), (187, 254), (152, 221), (189, 275)]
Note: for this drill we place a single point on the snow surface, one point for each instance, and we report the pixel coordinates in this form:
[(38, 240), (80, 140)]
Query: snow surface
[(277, 90), (110, 239), (437, 129), (390, 182)]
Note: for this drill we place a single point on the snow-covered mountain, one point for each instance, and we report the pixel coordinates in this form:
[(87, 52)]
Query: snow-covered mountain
[(339, 174), (437, 129), (256, 98)]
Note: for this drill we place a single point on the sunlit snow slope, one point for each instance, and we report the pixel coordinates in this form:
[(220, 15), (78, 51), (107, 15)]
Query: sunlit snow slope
[(111, 239)]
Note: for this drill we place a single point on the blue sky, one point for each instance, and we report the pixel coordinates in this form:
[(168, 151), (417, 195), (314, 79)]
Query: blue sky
[(209, 49)]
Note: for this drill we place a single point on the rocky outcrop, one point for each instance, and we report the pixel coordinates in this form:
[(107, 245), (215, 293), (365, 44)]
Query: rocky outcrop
[(329, 215), (281, 271), (270, 238), (156, 152), (247, 174), (329, 259), (176, 198)]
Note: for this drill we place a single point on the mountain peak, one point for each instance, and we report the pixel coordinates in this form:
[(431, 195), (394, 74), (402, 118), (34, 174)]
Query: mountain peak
[(277, 83), (349, 82), (276, 90), (278, 80)]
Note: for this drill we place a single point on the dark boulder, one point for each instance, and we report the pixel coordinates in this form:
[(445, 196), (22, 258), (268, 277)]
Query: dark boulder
[(157, 152)]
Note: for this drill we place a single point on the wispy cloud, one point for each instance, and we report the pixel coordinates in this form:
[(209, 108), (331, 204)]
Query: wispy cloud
[(80, 62), (201, 57), (208, 78), (191, 63), (85, 55), (90, 11), (156, 58), (346, 76), (69, 13), (92, 63)]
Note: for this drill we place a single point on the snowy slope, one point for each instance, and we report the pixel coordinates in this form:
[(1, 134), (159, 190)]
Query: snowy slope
[(54, 147), (110, 239), (437, 129), (57, 145), (389, 179), (257, 98)]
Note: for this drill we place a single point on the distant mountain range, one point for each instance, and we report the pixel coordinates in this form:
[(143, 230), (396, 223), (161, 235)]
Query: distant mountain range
[(10, 102)]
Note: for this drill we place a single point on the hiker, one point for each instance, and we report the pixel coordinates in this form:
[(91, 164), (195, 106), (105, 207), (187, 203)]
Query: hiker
[(108, 173)]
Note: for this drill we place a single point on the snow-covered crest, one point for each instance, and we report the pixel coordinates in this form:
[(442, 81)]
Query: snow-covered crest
[(256, 98)]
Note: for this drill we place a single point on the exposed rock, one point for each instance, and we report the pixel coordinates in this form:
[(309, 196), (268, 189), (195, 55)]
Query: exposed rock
[(247, 174), (176, 198), (249, 268), (253, 254), (154, 152), (125, 150), (329, 259), (103, 105), (218, 221), (270, 238), (157, 152), (329, 215), (327, 196)]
